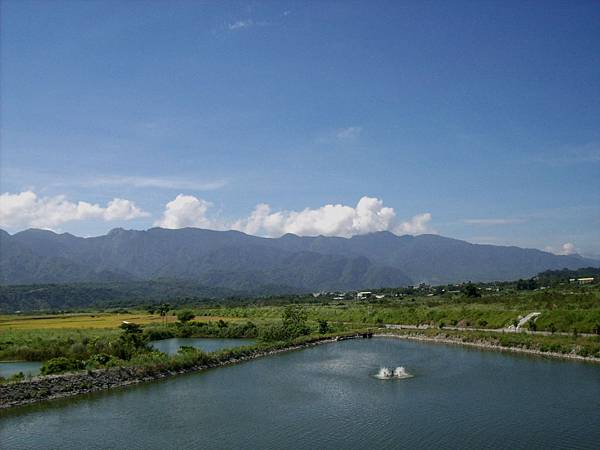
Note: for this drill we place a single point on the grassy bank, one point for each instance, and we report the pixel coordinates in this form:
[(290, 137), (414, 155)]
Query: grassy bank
[(561, 310), (583, 346)]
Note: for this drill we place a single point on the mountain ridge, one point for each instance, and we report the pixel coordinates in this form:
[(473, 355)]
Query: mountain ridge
[(232, 259)]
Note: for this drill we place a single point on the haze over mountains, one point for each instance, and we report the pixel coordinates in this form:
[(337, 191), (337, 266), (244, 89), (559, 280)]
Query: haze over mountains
[(234, 260)]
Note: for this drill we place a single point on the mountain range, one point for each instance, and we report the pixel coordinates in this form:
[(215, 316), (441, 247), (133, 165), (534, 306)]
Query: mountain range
[(234, 260)]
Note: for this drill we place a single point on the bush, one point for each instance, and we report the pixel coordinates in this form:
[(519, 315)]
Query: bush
[(185, 316), (323, 327), (274, 333), (60, 365), (100, 359)]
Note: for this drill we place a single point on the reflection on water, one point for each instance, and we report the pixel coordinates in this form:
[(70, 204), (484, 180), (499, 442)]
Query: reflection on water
[(8, 369), (171, 346)]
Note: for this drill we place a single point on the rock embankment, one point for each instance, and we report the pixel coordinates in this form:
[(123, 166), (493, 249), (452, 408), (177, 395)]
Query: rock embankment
[(70, 384)]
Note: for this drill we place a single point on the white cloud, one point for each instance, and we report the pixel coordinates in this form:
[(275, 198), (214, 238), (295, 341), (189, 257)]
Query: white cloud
[(239, 24), (416, 225), (493, 221), (122, 209), (185, 211), (340, 136), (26, 209), (368, 216), (568, 248), (349, 133), (158, 182), (242, 24)]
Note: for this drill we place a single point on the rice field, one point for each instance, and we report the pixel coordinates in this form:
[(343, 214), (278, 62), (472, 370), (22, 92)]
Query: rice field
[(87, 320)]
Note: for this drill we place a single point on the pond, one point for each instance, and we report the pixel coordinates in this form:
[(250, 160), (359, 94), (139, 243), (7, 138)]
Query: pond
[(329, 397), (10, 368), (171, 346)]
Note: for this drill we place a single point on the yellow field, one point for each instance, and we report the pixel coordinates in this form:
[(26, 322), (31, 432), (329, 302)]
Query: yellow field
[(98, 320)]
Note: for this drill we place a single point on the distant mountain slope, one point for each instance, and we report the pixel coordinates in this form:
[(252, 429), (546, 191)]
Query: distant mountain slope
[(234, 260), (436, 259), (229, 259)]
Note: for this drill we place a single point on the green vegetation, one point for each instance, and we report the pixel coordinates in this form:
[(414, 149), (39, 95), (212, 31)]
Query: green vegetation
[(68, 350), (575, 345), (185, 316), (569, 314), (562, 310)]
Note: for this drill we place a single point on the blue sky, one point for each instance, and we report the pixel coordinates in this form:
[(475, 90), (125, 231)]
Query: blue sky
[(475, 120)]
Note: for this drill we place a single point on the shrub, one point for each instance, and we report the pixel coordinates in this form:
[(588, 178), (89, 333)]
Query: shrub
[(274, 333), (100, 359), (60, 365), (323, 326), (185, 316)]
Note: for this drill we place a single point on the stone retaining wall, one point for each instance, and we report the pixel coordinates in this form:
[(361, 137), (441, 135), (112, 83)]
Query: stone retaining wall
[(70, 384)]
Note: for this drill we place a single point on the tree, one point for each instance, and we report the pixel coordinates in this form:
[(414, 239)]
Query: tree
[(532, 325), (470, 290), (323, 327), (527, 285), (132, 333), (163, 309), (185, 316), (294, 321)]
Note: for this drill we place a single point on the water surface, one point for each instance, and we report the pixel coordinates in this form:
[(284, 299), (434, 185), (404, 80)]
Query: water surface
[(327, 397), (171, 346), (8, 369)]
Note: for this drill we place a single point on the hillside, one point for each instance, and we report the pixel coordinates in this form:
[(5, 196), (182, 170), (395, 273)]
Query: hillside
[(240, 262)]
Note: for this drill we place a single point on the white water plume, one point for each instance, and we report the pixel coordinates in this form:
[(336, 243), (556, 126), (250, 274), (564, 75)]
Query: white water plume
[(386, 373)]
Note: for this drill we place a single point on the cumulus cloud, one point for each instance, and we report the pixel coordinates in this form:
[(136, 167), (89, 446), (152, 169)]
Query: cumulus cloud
[(417, 225), (369, 215), (568, 248), (185, 211), (26, 209)]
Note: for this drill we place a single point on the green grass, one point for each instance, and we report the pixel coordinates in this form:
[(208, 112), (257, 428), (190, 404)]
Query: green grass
[(82, 335), (43, 344), (588, 346), (562, 310)]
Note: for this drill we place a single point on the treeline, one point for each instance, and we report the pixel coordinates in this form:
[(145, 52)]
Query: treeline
[(564, 275), (106, 296), (54, 297)]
